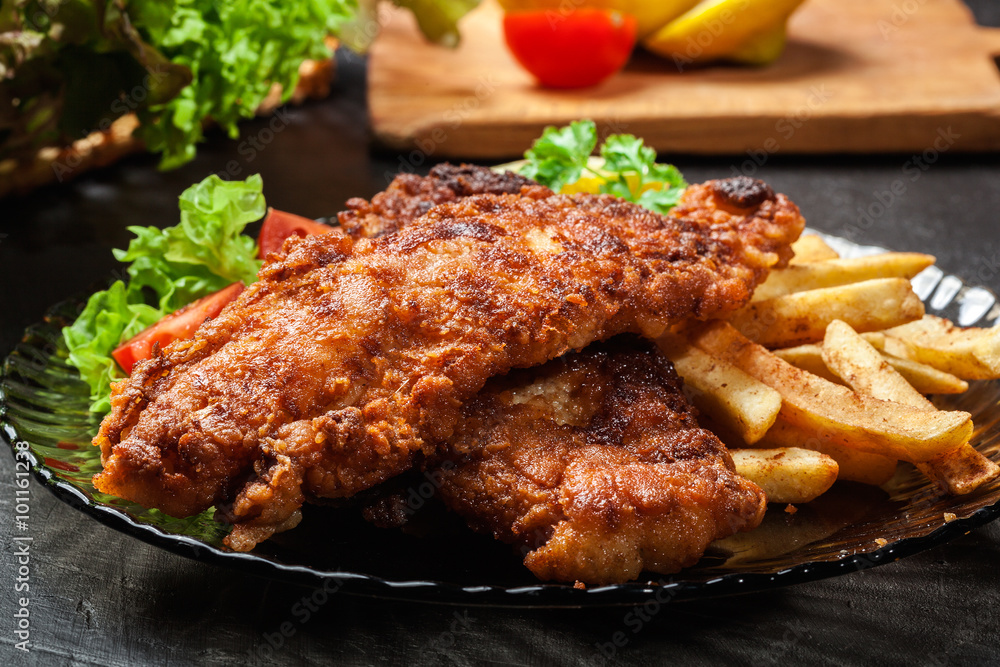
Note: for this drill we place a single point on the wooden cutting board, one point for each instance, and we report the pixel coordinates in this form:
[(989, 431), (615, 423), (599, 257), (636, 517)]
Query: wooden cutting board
[(857, 76)]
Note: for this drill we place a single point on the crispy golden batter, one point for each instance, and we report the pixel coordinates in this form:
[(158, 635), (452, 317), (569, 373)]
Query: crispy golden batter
[(409, 196), (595, 465), (348, 357)]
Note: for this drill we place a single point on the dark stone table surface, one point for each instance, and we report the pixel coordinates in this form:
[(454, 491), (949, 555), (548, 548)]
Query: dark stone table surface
[(98, 597)]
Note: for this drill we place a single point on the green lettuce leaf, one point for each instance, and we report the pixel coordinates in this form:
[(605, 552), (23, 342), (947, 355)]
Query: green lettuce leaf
[(71, 67), (168, 268), (236, 52), (106, 320)]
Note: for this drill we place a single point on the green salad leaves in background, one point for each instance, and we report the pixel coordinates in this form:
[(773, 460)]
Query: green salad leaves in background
[(628, 169), (168, 269), (71, 67)]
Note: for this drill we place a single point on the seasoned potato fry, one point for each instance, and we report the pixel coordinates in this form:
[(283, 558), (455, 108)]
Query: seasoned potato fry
[(811, 248), (802, 317), (864, 370), (854, 465), (961, 471), (834, 272), (860, 365), (868, 424), (808, 357), (730, 396), (971, 354), (925, 379), (787, 475)]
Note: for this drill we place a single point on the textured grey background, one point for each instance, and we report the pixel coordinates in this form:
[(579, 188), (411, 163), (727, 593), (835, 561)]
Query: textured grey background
[(98, 597)]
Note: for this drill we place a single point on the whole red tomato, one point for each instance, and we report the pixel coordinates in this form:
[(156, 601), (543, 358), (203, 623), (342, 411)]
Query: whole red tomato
[(570, 49)]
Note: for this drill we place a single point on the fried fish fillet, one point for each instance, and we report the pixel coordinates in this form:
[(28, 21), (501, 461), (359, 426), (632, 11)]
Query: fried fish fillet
[(348, 357), (409, 196), (595, 466)]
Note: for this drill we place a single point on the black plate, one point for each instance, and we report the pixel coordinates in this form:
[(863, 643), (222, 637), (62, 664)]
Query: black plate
[(852, 527)]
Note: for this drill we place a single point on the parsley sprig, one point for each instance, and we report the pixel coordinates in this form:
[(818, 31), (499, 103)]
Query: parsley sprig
[(561, 157)]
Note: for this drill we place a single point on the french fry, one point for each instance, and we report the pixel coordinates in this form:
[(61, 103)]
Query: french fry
[(787, 475), (961, 471), (730, 396), (855, 420), (854, 465), (811, 248), (864, 370), (793, 319), (859, 364), (835, 272), (971, 354), (808, 357), (925, 379)]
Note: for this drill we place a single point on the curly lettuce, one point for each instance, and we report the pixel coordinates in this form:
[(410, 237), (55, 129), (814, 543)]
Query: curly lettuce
[(168, 268), (71, 67)]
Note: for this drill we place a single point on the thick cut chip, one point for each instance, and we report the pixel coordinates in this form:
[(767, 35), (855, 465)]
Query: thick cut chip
[(741, 403), (799, 318), (811, 248), (808, 357), (971, 354), (860, 365), (854, 465), (864, 370), (801, 277), (787, 475), (925, 379), (869, 424)]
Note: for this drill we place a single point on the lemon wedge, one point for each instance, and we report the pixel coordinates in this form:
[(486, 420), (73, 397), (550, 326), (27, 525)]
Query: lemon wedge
[(650, 15), (744, 31)]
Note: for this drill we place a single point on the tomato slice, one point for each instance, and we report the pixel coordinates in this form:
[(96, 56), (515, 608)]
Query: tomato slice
[(178, 325), (572, 49), (279, 225)]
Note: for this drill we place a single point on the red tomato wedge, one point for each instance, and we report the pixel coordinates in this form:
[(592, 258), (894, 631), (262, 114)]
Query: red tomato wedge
[(176, 326), (279, 225), (575, 49)]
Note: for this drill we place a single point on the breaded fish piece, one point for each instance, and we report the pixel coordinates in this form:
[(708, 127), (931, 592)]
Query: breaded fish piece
[(595, 466), (410, 196), (348, 357)]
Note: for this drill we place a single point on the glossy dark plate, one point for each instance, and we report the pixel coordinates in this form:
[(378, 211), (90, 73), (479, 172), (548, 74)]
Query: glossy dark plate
[(852, 527)]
